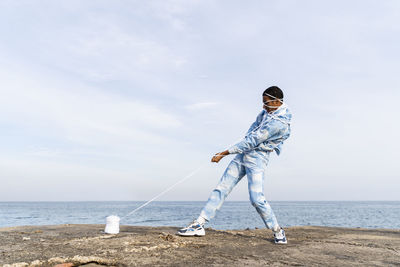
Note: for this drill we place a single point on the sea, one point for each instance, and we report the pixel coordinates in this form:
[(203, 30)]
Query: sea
[(232, 215)]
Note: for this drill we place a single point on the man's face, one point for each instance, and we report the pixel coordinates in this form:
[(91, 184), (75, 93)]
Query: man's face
[(270, 104)]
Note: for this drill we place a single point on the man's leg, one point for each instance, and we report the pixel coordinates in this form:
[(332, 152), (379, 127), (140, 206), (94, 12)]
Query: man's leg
[(255, 164), (232, 175)]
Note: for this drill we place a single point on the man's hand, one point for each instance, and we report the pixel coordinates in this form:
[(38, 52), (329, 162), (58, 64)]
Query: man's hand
[(217, 157)]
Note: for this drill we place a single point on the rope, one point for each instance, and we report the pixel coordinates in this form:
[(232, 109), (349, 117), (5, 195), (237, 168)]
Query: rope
[(166, 190), (272, 116)]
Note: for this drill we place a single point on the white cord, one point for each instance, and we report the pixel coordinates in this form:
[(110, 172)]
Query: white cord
[(186, 177), (166, 190)]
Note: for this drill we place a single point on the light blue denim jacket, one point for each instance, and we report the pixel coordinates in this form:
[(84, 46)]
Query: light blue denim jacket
[(267, 133)]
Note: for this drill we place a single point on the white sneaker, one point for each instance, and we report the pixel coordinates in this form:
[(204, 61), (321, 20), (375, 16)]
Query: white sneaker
[(280, 237), (194, 229)]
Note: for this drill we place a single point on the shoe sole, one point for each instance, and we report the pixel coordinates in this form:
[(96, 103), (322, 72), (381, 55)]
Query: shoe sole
[(191, 234)]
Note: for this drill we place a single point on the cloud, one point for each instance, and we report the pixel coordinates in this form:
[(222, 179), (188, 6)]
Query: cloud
[(77, 112), (156, 86), (201, 105)]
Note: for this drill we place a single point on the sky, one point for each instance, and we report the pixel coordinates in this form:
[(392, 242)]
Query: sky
[(118, 100)]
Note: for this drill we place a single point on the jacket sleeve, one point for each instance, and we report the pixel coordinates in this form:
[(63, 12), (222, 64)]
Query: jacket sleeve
[(266, 131), (254, 124)]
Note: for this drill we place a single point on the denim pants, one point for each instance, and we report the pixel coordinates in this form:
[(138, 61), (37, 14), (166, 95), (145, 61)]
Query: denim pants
[(252, 164)]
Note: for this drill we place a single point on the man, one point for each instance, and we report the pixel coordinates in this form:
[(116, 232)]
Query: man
[(266, 134)]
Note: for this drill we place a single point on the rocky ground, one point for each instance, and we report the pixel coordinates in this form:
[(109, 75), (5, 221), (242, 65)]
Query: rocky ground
[(87, 245)]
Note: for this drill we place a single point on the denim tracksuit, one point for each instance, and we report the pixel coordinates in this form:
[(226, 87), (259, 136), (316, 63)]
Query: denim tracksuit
[(265, 135)]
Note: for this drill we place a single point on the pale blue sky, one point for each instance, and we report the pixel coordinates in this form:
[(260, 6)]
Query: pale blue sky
[(117, 100)]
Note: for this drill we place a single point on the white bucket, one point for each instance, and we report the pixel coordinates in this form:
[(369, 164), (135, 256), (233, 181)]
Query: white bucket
[(112, 225)]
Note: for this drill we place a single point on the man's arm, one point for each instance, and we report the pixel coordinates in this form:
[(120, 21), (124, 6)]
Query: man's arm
[(266, 131), (217, 157)]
